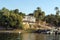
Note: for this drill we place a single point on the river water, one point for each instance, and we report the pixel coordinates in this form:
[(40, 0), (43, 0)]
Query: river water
[(28, 36)]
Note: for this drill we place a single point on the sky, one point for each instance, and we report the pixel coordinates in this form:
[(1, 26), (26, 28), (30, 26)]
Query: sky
[(28, 6)]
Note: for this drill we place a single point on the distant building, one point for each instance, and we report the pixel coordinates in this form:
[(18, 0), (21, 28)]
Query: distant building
[(29, 19)]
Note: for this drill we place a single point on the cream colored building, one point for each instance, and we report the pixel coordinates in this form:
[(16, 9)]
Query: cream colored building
[(29, 20)]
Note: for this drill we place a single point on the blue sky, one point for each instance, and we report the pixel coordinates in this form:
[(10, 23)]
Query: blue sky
[(28, 6)]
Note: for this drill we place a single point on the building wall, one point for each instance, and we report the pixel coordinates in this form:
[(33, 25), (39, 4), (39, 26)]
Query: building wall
[(29, 18)]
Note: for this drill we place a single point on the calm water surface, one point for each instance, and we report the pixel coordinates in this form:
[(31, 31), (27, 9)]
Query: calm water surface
[(28, 36)]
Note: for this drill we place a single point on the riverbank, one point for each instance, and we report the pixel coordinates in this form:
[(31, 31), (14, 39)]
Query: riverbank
[(17, 31), (12, 31), (29, 31)]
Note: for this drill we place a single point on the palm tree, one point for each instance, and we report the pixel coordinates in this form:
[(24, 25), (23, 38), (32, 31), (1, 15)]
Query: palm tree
[(57, 11)]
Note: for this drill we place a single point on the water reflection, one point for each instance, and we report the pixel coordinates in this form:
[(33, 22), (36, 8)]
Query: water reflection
[(10, 36), (28, 36), (32, 36), (53, 37)]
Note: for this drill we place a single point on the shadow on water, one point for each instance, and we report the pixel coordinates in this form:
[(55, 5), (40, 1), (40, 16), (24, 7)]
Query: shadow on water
[(28, 36), (53, 37), (10, 36)]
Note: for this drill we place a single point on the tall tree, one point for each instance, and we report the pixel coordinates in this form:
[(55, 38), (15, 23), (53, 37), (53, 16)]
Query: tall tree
[(10, 18), (39, 14), (57, 11), (16, 11)]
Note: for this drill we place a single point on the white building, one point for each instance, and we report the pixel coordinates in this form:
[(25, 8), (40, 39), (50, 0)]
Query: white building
[(29, 19)]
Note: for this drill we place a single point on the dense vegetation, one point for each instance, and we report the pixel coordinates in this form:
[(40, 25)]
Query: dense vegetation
[(13, 18), (53, 19)]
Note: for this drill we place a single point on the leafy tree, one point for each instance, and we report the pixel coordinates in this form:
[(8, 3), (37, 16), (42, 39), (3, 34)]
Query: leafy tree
[(16, 11), (22, 14), (39, 14), (10, 19), (30, 14), (57, 11), (53, 19)]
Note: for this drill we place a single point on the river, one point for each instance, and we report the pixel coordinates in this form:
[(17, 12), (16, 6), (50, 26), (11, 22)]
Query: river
[(28, 36)]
